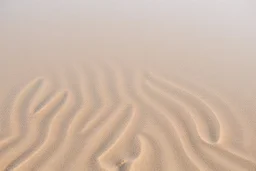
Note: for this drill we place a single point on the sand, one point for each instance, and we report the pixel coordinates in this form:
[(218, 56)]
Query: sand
[(127, 85)]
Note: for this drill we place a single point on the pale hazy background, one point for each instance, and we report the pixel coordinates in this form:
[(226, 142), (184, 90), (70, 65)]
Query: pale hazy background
[(197, 35)]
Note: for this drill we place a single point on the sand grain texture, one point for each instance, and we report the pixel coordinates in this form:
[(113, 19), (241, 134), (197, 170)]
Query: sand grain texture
[(110, 117), (127, 85)]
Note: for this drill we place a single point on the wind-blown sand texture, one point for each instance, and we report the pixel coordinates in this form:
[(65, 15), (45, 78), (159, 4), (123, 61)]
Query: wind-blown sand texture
[(127, 86), (112, 118)]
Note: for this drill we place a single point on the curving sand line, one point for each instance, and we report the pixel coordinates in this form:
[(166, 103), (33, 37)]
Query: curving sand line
[(79, 137), (205, 118), (36, 124), (148, 110), (148, 157), (231, 127), (102, 112), (211, 111), (185, 135), (62, 123), (234, 163), (53, 136), (87, 109), (107, 143), (5, 110), (111, 117), (111, 156), (36, 160), (91, 101), (107, 98), (102, 137), (39, 128), (18, 115)]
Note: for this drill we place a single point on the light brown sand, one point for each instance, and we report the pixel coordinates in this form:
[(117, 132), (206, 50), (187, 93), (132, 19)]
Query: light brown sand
[(127, 85)]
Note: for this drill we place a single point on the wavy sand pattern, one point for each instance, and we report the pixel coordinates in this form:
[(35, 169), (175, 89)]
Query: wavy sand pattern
[(111, 118)]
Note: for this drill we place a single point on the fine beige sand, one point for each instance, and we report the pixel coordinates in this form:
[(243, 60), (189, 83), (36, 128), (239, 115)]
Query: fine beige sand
[(127, 85)]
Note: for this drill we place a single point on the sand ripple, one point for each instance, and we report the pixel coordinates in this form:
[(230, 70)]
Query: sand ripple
[(109, 117)]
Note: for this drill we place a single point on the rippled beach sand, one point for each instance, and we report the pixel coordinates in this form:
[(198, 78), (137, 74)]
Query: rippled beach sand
[(127, 85)]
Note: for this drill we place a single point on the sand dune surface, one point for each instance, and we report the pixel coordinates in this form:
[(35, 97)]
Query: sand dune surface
[(127, 86)]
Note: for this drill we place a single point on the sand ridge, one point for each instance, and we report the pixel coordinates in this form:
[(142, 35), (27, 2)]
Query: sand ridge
[(111, 117), (129, 85)]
